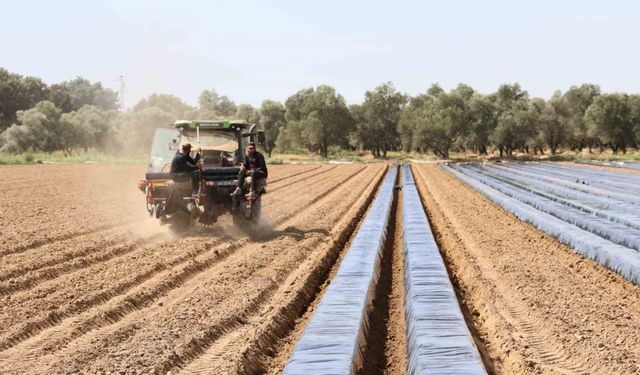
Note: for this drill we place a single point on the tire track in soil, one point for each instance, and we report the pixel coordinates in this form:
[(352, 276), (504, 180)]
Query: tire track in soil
[(279, 258), (296, 174), (62, 200), (537, 306), (117, 313), (49, 270), (253, 348), (58, 238), (53, 318), (91, 254)]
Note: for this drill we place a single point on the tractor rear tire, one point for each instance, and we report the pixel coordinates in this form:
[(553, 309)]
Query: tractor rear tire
[(238, 219), (256, 210)]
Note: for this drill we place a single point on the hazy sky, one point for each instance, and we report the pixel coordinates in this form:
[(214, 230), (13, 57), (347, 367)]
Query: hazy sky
[(254, 50)]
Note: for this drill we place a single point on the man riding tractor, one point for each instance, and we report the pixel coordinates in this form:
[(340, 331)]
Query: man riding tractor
[(256, 165), (185, 173)]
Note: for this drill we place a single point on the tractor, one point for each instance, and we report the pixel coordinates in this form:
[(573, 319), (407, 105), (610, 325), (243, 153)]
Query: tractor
[(223, 150)]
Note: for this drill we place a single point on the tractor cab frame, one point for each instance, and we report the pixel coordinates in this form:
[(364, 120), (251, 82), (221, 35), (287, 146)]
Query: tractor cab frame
[(223, 150)]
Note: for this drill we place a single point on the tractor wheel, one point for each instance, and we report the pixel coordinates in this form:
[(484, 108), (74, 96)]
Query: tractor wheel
[(238, 219), (256, 209)]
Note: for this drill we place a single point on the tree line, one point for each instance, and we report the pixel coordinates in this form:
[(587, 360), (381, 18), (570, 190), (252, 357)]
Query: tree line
[(79, 114)]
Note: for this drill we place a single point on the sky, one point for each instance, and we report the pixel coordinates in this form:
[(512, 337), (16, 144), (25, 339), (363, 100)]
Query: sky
[(256, 50)]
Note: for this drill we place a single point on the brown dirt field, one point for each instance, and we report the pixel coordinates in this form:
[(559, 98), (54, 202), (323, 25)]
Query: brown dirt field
[(538, 307), (103, 288)]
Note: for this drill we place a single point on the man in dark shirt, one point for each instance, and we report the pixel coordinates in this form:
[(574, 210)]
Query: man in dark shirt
[(184, 167), (254, 162)]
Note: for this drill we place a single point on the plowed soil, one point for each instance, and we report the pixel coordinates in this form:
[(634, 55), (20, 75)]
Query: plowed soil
[(536, 306), (90, 284)]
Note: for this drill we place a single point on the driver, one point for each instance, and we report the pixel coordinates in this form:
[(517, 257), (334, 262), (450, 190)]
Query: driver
[(254, 162), (184, 167)]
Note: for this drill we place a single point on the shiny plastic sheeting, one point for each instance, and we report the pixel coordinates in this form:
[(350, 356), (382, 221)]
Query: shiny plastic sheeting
[(612, 209), (620, 259), (331, 342), (618, 233), (439, 341)]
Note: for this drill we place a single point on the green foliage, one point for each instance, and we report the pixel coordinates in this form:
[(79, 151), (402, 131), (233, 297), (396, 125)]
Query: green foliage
[(247, 113), (39, 128), (80, 115), (77, 157), (484, 119), (92, 127), (166, 102), (377, 119), (215, 106), (439, 119), (18, 93), (272, 120), (613, 119), (516, 127), (517, 123), (553, 122), (318, 118), (74, 94), (578, 100)]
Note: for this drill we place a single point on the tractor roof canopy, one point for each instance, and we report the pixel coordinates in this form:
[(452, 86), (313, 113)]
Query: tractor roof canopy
[(211, 124)]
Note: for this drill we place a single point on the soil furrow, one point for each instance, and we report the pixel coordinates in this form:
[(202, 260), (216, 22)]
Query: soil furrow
[(272, 260), (83, 200), (88, 256), (35, 277), (50, 319), (59, 252), (291, 175), (252, 349), (43, 241), (294, 212)]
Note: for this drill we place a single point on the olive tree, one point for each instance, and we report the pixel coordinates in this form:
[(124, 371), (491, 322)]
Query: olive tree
[(611, 119), (578, 99), (272, 119), (553, 122), (321, 119), (378, 118), (215, 105)]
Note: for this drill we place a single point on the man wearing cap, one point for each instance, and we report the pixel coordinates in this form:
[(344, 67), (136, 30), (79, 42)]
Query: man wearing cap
[(186, 177), (254, 162), (185, 168)]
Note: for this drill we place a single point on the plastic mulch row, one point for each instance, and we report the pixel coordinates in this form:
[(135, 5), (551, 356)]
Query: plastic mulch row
[(439, 341), (332, 341), (620, 259)]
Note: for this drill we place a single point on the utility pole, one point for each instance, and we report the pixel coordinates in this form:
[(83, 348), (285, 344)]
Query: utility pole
[(123, 86)]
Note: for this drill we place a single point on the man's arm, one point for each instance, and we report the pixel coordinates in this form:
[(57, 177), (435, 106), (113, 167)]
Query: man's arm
[(262, 164), (191, 163)]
